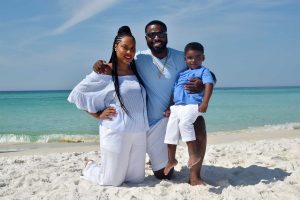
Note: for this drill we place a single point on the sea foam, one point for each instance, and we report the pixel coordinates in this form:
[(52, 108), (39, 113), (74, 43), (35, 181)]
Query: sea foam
[(63, 138), (265, 128), (54, 138)]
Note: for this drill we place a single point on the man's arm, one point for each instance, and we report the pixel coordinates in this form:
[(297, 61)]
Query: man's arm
[(194, 85)]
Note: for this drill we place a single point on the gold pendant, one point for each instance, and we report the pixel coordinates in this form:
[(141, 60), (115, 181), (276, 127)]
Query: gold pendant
[(160, 72)]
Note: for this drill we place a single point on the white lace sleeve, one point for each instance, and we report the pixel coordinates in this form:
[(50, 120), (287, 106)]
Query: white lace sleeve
[(90, 93)]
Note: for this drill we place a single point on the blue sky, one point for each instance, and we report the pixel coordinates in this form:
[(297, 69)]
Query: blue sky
[(50, 45)]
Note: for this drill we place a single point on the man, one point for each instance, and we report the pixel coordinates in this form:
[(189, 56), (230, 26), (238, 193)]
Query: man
[(158, 67)]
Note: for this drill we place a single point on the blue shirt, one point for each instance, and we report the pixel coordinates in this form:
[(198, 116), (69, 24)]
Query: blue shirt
[(181, 95), (159, 87)]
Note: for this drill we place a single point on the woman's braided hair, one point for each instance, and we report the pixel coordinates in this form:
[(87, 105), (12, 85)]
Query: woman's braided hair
[(122, 32)]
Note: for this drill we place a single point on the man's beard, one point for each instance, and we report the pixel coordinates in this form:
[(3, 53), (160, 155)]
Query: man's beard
[(157, 50)]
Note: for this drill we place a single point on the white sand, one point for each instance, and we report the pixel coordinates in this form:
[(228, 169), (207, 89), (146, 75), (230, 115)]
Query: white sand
[(259, 165)]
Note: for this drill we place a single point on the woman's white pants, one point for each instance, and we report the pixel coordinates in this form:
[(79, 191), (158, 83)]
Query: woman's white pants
[(122, 158)]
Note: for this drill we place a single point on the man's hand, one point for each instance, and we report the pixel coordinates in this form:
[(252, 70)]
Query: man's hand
[(203, 107), (194, 85), (101, 67), (167, 113)]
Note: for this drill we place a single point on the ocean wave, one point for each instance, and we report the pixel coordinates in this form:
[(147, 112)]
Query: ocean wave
[(286, 126), (12, 138), (53, 138), (64, 138), (265, 128), (67, 138)]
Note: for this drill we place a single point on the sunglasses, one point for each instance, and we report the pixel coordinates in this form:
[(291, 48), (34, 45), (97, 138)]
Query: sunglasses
[(158, 34)]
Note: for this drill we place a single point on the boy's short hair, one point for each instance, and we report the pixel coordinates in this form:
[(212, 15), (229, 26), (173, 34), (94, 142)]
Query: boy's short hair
[(194, 46), (156, 22)]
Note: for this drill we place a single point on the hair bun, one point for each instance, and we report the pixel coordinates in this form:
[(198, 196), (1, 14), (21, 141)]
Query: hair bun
[(124, 30)]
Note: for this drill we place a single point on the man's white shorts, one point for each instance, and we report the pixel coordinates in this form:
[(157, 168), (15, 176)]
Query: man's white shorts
[(181, 123), (156, 148)]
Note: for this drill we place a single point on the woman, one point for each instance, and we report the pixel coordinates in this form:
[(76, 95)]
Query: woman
[(119, 94)]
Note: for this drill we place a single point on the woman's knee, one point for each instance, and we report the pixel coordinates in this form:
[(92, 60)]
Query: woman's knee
[(113, 182)]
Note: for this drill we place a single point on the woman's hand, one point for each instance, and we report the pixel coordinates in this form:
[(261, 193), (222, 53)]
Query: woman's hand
[(108, 113)]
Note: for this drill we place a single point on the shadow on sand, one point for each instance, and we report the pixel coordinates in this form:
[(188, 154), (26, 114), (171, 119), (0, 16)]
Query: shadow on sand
[(221, 177)]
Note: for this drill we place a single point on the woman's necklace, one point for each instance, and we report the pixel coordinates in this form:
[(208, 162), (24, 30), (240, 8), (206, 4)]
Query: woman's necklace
[(159, 65)]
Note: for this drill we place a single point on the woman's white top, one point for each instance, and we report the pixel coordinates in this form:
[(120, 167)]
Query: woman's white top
[(97, 92)]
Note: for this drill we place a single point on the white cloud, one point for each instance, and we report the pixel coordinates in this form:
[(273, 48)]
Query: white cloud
[(84, 12), (178, 10)]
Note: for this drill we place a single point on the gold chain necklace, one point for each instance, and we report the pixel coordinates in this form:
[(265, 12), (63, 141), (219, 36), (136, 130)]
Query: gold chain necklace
[(161, 70)]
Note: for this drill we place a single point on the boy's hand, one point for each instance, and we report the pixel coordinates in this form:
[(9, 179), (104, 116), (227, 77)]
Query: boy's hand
[(108, 113), (194, 85), (167, 113), (101, 67), (203, 107)]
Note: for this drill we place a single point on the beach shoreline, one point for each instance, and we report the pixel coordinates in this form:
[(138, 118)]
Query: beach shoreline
[(241, 165), (19, 149)]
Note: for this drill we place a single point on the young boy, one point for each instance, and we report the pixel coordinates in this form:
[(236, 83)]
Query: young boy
[(188, 106)]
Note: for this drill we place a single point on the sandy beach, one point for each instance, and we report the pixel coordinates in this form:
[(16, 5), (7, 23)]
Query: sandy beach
[(240, 165)]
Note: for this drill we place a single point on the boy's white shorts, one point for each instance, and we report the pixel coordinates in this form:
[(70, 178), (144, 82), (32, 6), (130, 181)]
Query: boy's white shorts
[(181, 123)]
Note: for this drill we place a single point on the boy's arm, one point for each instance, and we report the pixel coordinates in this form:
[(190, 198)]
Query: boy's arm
[(208, 89)]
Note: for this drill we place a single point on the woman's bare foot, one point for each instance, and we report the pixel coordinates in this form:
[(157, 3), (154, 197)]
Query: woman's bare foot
[(169, 166), (193, 160), (87, 162)]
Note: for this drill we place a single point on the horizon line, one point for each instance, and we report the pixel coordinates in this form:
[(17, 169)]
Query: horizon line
[(222, 87)]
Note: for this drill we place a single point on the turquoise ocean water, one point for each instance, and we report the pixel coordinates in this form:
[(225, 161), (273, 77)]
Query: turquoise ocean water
[(46, 116)]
